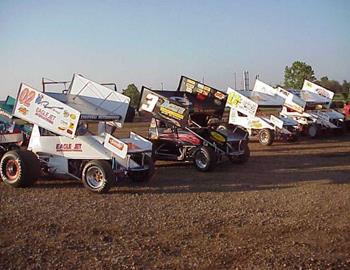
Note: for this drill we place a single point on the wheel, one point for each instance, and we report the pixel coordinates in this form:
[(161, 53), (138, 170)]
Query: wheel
[(205, 159), (241, 158), (98, 176), (2, 151), (266, 136), (19, 168), (143, 176), (312, 131)]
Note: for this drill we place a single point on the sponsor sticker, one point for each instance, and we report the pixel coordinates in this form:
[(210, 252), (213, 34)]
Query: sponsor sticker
[(69, 147), (116, 146), (312, 87), (241, 103)]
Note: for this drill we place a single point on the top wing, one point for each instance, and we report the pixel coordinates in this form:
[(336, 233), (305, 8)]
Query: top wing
[(203, 98), (40, 109), (162, 105)]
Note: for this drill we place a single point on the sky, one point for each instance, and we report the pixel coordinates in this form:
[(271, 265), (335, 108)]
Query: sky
[(153, 42)]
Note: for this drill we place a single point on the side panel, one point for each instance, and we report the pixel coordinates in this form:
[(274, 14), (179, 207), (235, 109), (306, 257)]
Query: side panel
[(116, 146), (312, 87), (81, 147), (46, 112), (276, 121), (162, 108), (295, 103), (241, 103), (141, 142), (249, 123)]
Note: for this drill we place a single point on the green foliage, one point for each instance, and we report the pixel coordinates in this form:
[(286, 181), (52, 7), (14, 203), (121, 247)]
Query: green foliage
[(134, 94), (334, 85), (295, 75), (346, 86)]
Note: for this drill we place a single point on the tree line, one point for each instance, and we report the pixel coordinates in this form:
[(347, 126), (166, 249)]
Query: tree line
[(294, 77)]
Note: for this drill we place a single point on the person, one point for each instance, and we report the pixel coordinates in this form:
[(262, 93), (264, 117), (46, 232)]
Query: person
[(346, 110)]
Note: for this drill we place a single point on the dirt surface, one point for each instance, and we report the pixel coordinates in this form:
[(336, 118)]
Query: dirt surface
[(288, 207)]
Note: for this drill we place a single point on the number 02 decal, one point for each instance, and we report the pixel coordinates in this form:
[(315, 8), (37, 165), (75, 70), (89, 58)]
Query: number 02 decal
[(150, 102), (26, 96)]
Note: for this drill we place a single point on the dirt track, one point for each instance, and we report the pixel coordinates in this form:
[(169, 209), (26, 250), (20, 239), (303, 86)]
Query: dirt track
[(288, 207)]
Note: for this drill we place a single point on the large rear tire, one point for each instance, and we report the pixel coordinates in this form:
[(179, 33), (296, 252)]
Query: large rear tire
[(19, 168), (205, 159), (143, 176), (98, 176), (266, 136)]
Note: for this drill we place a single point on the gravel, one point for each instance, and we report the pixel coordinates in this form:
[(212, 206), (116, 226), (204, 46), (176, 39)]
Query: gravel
[(288, 207)]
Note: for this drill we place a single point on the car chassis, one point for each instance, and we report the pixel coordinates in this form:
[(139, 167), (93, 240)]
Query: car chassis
[(61, 142), (183, 127)]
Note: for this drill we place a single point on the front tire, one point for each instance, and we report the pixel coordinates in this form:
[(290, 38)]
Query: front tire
[(205, 159), (19, 168), (98, 176), (266, 136)]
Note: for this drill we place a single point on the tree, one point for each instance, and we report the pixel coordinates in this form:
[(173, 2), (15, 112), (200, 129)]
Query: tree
[(295, 75), (332, 85), (346, 86), (134, 95)]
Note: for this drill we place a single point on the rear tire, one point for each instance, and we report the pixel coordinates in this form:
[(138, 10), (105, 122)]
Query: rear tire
[(98, 176), (143, 176), (266, 136), (205, 159), (19, 168)]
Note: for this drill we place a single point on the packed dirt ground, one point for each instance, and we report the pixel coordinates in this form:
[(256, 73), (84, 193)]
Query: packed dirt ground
[(288, 207)]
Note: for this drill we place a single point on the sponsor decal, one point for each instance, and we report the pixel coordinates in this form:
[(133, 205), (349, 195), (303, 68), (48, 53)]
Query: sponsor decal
[(241, 103), (283, 93), (172, 110), (255, 124), (322, 92), (45, 115), (26, 97), (116, 144), (310, 86), (189, 85), (219, 95), (217, 137), (23, 110), (69, 147), (46, 104)]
